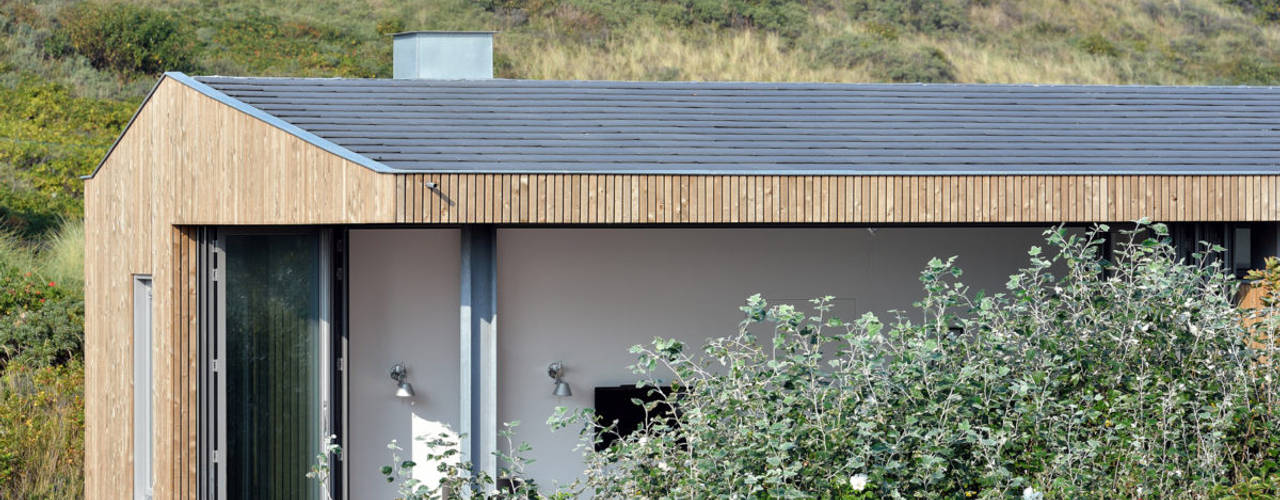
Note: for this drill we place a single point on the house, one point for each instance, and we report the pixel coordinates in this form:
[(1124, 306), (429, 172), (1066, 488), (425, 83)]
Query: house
[(271, 260)]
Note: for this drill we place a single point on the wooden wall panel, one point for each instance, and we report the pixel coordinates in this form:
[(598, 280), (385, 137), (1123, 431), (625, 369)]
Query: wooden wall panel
[(189, 160), (668, 199)]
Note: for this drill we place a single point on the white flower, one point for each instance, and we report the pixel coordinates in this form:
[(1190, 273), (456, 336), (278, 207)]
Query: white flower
[(858, 482), (1030, 493), (664, 467)]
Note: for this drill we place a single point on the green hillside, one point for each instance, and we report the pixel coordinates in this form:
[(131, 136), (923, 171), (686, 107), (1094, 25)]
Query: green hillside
[(72, 72)]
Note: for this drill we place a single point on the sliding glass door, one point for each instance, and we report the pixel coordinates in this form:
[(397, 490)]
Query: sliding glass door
[(272, 371)]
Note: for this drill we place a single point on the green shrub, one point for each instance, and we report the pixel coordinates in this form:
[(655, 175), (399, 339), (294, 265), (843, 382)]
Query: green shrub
[(42, 431), (1087, 377), (390, 26), (923, 65), (48, 139), (1098, 45), (47, 335), (42, 299), (789, 18), (1245, 70), (126, 38), (850, 51), (925, 16), (888, 60), (244, 39), (1267, 10)]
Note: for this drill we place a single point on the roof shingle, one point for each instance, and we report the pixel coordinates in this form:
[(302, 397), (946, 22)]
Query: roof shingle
[(538, 126)]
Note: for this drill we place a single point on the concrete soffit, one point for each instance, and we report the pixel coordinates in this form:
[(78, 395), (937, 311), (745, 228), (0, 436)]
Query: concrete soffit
[(245, 108)]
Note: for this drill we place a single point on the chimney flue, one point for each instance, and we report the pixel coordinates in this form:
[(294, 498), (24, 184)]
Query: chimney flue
[(443, 55)]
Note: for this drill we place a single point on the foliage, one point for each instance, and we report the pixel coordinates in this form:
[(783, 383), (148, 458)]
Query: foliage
[(243, 39), (320, 470), (785, 17), (1268, 10), (926, 16), (1269, 279), (41, 318), (42, 431), (126, 38), (48, 139), (457, 479), (1087, 377), (1098, 45), (888, 60)]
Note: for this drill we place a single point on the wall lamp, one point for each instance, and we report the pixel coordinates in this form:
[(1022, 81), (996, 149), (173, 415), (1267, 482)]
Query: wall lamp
[(556, 371), (399, 373)]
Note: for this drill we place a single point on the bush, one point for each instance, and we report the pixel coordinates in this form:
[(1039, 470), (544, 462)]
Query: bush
[(1251, 71), (42, 431), (244, 39), (925, 16), (1115, 378), (789, 18), (1098, 45), (923, 65), (51, 138), (41, 317), (127, 38), (1267, 10), (887, 60)]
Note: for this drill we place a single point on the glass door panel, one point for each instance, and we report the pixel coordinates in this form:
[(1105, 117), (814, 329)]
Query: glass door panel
[(273, 347)]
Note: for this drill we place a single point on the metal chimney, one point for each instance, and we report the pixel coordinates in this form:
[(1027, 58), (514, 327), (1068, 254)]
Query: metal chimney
[(443, 55)]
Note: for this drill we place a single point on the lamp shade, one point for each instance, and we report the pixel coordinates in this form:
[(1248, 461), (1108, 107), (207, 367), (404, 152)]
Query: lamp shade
[(562, 389), (404, 390)]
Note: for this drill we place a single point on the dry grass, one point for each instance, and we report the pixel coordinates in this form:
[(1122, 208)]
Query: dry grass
[(1027, 41), (655, 53), (62, 258)]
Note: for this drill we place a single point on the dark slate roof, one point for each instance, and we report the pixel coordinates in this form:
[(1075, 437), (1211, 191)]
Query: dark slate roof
[(779, 128)]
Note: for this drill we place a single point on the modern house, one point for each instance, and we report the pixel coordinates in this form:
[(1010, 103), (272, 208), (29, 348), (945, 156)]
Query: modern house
[(263, 251)]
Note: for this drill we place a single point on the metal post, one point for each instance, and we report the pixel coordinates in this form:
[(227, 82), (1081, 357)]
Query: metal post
[(478, 339)]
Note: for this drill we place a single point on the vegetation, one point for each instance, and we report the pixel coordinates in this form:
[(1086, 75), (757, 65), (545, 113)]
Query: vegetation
[(72, 72), (42, 431), (41, 370)]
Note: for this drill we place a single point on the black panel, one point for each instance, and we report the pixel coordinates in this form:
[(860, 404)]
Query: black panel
[(615, 404)]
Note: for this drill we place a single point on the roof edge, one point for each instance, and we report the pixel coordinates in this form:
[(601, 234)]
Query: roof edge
[(127, 126), (245, 108)]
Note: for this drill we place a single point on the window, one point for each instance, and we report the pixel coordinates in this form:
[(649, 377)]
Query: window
[(143, 396), (1241, 251), (269, 386)]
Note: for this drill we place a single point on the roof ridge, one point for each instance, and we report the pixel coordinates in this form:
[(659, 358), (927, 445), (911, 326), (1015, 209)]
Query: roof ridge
[(736, 83)]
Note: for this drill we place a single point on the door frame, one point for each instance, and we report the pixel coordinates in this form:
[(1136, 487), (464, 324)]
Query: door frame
[(333, 304)]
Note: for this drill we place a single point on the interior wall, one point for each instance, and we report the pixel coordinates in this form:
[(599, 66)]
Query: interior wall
[(583, 296), (404, 308)]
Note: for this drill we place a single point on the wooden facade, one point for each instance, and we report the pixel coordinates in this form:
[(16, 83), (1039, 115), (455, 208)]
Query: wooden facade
[(188, 160), (776, 199)]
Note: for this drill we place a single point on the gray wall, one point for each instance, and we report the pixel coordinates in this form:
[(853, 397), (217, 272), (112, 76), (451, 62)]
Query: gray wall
[(404, 308)]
